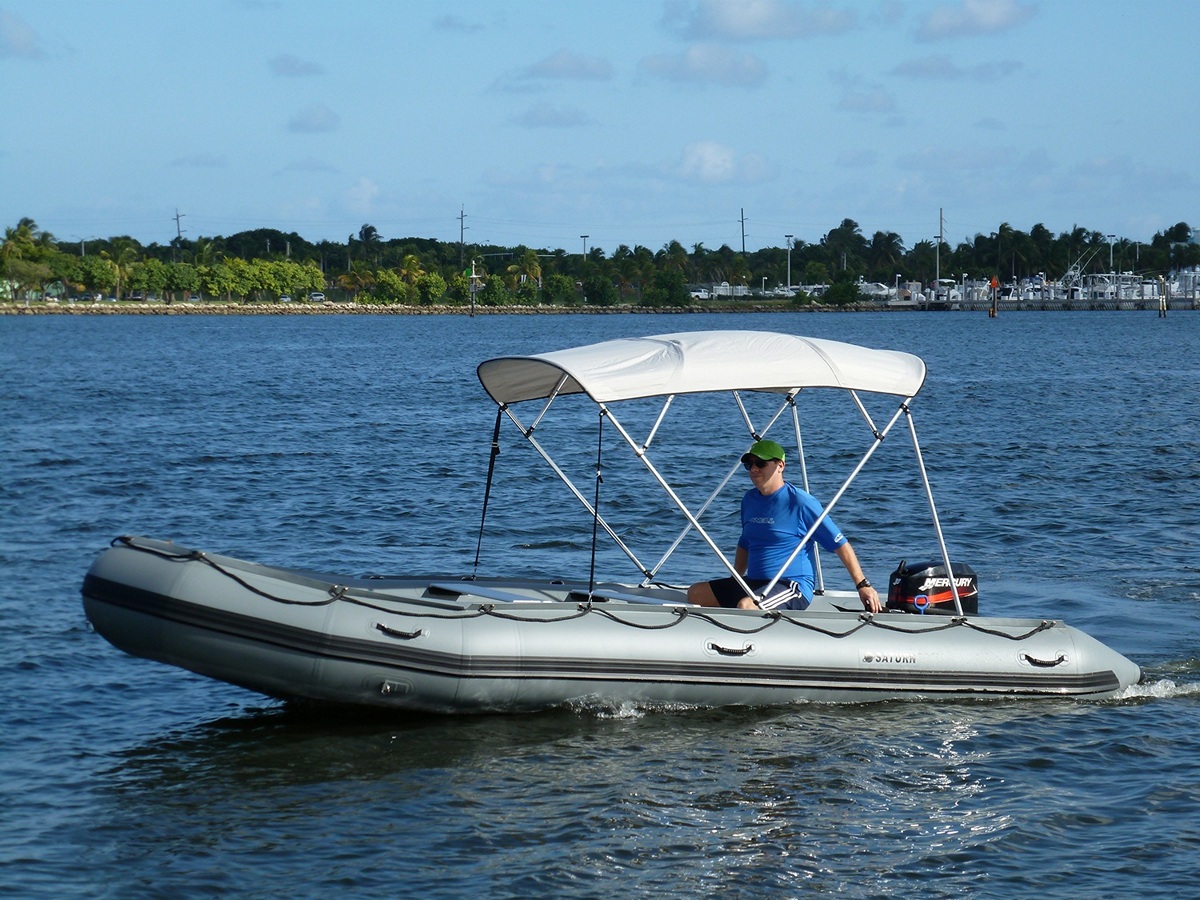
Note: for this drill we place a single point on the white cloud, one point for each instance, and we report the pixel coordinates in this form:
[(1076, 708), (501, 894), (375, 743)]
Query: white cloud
[(456, 23), (972, 17), (757, 19), (547, 115), (709, 162), (869, 99), (17, 39), (314, 118), (572, 66), (561, 66), (360, 197), (860, 96), (708, 63), (941, 68)]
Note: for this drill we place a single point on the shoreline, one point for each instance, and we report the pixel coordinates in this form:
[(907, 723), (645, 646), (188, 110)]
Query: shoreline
[(219, 308), (303, 309)]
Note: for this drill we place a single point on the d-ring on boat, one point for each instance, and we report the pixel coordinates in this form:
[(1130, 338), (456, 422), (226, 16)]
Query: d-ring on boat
[(467, 643)]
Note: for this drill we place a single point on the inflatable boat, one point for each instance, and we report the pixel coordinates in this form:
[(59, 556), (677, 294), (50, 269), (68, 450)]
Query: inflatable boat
[(469, 643)]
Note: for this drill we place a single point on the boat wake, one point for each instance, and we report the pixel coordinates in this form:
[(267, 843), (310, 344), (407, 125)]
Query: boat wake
[(1158, 689), (629, 709)]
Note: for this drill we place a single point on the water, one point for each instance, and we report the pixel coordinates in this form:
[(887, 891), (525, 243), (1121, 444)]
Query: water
[(1064, 448)]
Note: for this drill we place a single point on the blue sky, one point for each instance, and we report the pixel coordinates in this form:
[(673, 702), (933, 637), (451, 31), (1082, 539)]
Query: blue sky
[(631, 121)]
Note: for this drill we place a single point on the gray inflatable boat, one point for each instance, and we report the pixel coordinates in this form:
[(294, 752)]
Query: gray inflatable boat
[(465, 643)]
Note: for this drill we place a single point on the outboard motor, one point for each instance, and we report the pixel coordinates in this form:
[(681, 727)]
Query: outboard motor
[(925, 588)]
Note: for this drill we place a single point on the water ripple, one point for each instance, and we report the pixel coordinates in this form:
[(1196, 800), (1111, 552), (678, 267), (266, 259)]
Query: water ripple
[(1067, 477)]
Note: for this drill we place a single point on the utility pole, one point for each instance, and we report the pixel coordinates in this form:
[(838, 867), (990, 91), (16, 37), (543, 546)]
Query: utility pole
[(462, 217), (788, 238), (743, 221), (178, 233), (937, 268)]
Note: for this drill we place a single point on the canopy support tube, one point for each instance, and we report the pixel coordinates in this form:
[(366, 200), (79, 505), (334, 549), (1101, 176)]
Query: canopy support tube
[(879, 436), (562, 476), (937, 525), (662, 414), (596, 502), (545, 409), (720, 487), (754, 433), (670, 492), (866, 415), (819, 575)]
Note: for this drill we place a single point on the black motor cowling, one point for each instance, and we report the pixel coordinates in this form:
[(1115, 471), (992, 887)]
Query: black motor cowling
[(925, 588)]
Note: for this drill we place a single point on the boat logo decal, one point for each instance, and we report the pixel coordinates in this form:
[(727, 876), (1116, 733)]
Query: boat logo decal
[(909, 659), (943, 582)]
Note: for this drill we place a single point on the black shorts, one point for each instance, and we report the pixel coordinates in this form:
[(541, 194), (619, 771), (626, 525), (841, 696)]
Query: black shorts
[(785, 595)]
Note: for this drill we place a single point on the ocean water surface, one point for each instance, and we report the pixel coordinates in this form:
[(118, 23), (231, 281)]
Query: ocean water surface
[(1064, 449)]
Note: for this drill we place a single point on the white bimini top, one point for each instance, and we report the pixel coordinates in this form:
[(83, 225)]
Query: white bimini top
[(699, 362)]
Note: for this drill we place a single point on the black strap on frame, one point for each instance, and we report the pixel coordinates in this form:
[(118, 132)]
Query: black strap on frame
[(487, 490), (596, 501)]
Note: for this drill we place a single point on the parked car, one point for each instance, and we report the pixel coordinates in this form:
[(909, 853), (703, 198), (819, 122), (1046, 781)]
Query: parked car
[(285, 299), (316, 297)]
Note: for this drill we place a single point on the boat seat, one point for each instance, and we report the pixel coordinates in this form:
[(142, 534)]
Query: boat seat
[(471, 589), (627, 598)]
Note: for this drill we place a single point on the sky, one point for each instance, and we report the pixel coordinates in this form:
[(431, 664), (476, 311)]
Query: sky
[(536, 122)]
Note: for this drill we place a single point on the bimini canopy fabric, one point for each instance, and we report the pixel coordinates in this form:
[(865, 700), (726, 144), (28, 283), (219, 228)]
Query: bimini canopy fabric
[(700, 361)]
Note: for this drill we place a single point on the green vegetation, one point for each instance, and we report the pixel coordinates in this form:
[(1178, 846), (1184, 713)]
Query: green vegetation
[(266, 265)]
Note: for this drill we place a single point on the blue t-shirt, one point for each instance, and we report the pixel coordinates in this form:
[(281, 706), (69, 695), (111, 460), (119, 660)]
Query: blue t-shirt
[(772, 526)]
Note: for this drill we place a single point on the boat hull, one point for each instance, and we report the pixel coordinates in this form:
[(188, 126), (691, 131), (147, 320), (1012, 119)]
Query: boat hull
[(445, 645)]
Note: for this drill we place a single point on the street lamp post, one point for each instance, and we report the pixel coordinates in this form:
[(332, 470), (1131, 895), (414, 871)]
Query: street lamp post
[(788, 238), (583, 267)]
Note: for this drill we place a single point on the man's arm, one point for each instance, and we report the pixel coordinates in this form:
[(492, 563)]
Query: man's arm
[(867, 594)]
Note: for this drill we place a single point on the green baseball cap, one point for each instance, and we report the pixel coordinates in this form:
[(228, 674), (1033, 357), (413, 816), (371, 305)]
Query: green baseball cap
[(764, 450)]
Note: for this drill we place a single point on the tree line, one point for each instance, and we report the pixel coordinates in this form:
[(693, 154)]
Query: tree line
[(264, 265)]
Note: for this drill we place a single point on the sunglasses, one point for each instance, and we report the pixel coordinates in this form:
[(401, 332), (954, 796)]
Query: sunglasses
[(756, 463)]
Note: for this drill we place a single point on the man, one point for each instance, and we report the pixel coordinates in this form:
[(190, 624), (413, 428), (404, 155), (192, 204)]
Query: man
[(775, 516)]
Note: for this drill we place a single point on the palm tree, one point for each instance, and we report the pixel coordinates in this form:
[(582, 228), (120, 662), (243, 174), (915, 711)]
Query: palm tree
[(44, 240), (673, 256), (698, 261), (722, 265), (1042, 259), (19, 241), (845, 247), (122, 255), (368, 235), (885, 254), (530, 267), (411, 268)]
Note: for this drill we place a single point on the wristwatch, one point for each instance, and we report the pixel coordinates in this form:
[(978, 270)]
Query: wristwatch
[(862, 584)]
